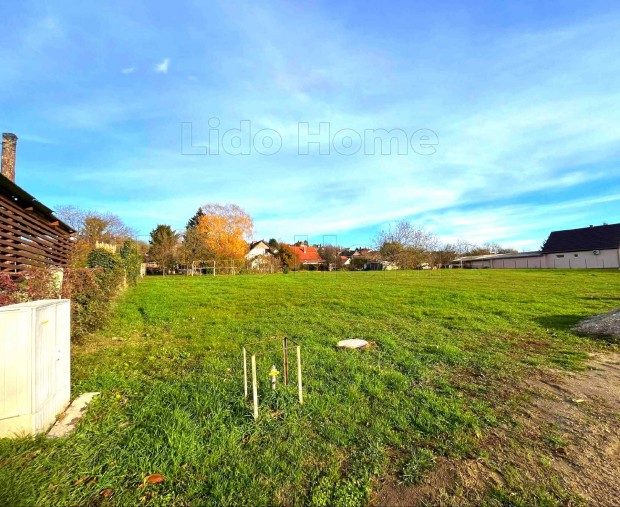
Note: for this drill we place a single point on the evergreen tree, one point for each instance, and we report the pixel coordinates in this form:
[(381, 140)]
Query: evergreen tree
[(163, 246), (195, 220)]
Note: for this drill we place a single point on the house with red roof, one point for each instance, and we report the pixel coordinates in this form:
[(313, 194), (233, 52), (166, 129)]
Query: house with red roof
[(307, 256)]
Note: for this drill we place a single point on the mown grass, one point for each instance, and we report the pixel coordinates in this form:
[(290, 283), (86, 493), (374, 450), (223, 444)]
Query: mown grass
[(449, 347)]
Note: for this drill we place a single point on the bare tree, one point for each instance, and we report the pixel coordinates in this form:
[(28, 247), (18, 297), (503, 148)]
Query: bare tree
[(93, 226), (407, 245), (331, 255)]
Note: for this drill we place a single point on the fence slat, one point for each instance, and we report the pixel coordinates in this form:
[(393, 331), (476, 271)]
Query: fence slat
[(28, 239)]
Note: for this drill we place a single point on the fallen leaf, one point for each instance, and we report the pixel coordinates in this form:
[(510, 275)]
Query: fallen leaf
[(154, 478), (106, 493), (123, 424), (185, 466), (561, 450), (81, 480), (91, 482)]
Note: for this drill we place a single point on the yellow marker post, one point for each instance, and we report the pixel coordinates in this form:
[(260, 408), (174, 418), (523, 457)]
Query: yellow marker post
[(273, 374)]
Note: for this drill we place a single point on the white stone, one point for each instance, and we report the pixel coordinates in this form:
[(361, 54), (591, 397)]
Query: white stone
[(72, 416), (354, 343)]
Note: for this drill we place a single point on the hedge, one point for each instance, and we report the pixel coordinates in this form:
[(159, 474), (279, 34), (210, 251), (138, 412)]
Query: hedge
[(91, 289)]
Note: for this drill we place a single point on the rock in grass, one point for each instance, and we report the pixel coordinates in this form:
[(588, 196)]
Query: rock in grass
[(605, 324), (354, 343), (73, 414)]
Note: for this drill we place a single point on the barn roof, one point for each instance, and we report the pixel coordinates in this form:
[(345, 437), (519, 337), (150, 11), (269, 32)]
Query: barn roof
[(600, 237)]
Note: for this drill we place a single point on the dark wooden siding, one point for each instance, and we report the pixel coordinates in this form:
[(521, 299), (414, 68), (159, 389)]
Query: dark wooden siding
[(29, 238)]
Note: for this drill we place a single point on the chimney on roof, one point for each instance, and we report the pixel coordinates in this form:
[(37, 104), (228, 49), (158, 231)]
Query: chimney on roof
[(9, 144)]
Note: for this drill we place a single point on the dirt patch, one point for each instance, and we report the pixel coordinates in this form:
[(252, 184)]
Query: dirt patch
[(562, 448)]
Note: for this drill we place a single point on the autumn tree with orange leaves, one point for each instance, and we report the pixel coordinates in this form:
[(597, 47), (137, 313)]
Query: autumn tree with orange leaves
[(225, 230)]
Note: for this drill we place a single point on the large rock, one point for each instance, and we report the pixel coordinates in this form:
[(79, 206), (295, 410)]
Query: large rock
[(354, 343), (605, 324)]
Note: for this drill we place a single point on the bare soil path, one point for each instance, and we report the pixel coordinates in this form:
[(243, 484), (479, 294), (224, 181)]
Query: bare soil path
[(563, 449)]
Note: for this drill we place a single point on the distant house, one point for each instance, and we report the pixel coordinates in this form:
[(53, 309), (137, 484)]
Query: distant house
[(366, 253), (364, 259), (258, 248), (260, 256), (585, 248), (307, 256)]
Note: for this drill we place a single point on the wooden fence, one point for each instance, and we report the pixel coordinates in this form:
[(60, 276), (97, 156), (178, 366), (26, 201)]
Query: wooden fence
[(30, 236)]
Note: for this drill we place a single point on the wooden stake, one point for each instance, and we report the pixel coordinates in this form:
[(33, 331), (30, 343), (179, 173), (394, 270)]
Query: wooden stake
[(301, 396), (285, 347), (245, 373), (254, 387)]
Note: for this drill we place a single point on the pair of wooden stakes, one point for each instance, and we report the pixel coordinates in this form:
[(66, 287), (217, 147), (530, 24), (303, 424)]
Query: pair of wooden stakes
[(287, 344)]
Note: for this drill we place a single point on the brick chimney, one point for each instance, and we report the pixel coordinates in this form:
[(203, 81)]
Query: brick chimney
[(9, 143)]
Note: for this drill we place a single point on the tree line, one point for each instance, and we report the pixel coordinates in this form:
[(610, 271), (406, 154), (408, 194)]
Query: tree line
[(222, 232)]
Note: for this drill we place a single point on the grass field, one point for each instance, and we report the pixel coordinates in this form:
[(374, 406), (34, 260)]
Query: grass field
[(450, 347)]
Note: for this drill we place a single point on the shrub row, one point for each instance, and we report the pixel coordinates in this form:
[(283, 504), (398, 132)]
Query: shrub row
[(91, 289)]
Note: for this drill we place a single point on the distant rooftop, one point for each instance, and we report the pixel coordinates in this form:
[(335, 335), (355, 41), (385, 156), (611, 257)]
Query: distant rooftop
[(599, 237)]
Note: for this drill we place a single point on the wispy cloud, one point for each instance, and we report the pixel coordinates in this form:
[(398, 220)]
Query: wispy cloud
[(522, 107), (163, 66)]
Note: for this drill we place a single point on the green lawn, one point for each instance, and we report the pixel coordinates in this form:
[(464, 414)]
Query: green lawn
[(450, 348)]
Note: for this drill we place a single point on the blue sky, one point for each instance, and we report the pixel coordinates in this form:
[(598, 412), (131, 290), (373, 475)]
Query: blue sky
[(524, 98)]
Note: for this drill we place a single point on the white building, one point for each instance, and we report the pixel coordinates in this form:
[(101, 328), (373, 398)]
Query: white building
[(260, 257), (585, 248)]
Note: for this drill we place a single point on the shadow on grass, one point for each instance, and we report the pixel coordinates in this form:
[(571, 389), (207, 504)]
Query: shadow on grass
[(567, 322), (560, 322)]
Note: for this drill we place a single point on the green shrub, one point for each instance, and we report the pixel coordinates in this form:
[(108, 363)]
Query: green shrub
[(101, 258), (90, 289), (131, 262), (89, 303)]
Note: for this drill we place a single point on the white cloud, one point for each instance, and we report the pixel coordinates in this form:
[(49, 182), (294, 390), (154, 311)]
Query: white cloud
[(534, 111), (162, 67)]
